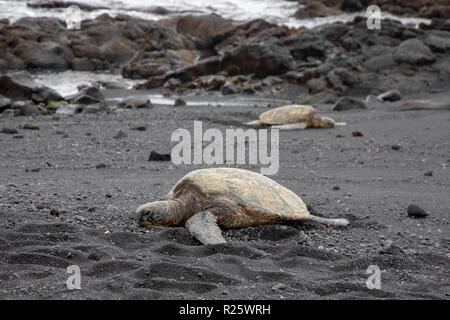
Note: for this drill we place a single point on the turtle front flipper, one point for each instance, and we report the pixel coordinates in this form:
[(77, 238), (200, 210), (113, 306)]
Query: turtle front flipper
[(203, 226)]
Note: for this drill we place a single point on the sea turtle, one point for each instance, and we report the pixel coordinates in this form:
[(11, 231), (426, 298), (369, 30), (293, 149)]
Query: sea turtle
[(293, 117), (206, 199)]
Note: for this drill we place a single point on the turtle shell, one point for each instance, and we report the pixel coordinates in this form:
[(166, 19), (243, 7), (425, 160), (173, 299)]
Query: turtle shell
[(289, 114), (257, 194)]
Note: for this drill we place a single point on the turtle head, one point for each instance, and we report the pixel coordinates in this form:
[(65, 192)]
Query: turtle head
[(326, 122), (156, 214)]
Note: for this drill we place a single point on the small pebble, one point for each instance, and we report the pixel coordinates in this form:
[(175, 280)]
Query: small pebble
[(395, 147), (416, 211), (155, 156), (139, 128), (179, 102), (429, 173), (9, 131), (357, 133), (30, 126), (279, 286)]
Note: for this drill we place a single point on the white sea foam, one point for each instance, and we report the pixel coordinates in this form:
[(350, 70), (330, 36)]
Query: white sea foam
[(276, 11)]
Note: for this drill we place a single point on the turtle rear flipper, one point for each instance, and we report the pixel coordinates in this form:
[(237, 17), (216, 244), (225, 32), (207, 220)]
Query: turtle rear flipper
[(203, 226), (291, 126), (254, 123), (329, 222)]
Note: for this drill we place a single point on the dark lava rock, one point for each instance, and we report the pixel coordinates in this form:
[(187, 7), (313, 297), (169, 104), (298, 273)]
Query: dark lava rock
[(348, 103), (205, 30), (416, 211), (179, 102), (357, 133), (391, 95), (45, 55), (21, 85), (9, 131), (54, 213), (413, 51), (82, 64), (27, 109), (396, 147), (429, 173), (259, 59), (155, 156)]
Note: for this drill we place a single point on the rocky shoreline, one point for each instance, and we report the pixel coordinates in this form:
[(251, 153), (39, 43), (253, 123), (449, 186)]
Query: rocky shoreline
[(185, 54)]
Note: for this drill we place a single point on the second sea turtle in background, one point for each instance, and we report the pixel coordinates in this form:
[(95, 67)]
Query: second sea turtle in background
[(293, 117)]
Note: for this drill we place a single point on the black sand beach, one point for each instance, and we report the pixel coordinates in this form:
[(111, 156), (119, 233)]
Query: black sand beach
[(54, 168), (73, 169)]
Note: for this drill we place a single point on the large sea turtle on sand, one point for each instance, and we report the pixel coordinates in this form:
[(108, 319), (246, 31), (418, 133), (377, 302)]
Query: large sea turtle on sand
[(206, 199), (292, 117)]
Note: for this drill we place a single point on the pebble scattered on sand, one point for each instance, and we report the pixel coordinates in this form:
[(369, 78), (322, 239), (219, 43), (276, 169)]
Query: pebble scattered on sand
[(416, 211), (278, 287), (9, 131), (139, 128), (155, 156), (357, 133), (179, 102), (30, 126)]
